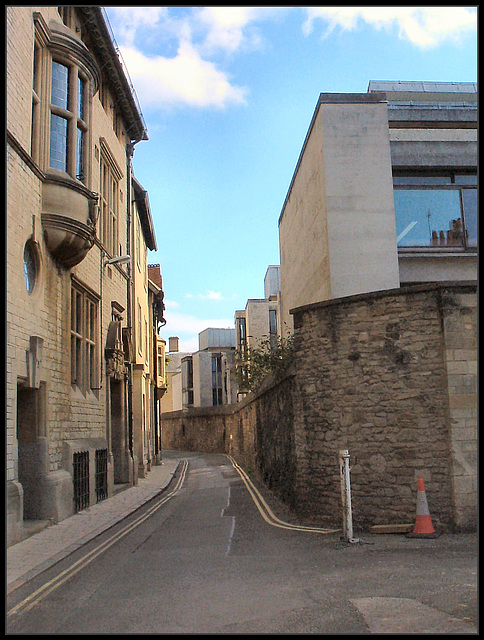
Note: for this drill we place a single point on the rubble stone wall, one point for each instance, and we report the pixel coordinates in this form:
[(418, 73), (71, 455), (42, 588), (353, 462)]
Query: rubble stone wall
[(390, 376)]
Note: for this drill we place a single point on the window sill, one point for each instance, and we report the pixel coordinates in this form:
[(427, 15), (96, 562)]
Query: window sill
[(436, 252)]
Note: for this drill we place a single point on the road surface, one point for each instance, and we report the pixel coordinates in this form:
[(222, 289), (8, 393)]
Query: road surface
[(213, 554)]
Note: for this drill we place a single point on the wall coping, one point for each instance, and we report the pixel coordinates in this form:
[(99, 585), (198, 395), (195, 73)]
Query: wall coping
[(375, 295)]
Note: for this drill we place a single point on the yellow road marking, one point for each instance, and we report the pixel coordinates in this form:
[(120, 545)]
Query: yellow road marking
[(266, 511), (38, 595)]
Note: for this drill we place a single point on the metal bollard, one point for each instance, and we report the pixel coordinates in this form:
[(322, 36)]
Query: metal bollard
[(344, 469)]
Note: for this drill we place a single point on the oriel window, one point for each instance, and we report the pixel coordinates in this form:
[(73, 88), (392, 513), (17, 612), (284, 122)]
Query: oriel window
[(68, 121)]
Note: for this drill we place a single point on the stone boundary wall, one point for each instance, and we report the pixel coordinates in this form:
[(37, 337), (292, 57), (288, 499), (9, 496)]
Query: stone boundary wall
[(391, 376)]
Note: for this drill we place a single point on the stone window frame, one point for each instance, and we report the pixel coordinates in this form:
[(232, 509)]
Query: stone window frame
[(84, 338), (54, 42), (110, 176)]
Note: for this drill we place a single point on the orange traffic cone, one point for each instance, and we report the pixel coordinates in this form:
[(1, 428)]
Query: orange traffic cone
[(423, 523)]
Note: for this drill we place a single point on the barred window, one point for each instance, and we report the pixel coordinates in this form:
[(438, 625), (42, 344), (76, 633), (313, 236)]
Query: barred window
[(84, 339)]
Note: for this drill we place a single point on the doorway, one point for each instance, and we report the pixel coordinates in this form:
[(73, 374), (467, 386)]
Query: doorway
[(32, 448)]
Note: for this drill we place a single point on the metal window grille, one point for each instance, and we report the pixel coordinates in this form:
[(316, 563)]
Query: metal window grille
[(81, 480), (101, 474)]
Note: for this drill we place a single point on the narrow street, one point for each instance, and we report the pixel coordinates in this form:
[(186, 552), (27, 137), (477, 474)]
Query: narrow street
[(206, 556)]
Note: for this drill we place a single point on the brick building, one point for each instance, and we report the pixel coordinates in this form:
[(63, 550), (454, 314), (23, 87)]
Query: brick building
[(72, 123)]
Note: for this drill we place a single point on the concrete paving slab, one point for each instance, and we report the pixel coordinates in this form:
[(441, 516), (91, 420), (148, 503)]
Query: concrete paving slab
[(404, 615)]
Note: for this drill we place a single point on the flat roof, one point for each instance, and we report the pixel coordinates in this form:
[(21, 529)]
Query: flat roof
[(423, 86)]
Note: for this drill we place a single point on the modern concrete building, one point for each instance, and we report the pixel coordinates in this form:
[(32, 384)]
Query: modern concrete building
[(260, 320), (384, 194), (208, 374), (73, 121)]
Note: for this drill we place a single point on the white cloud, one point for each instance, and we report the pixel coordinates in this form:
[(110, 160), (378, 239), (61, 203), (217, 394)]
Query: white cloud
[(184, 79), (198, 42), (210, 295), (423, 26)]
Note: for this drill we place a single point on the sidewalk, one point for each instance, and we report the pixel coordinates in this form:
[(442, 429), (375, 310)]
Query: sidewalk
[(28, 558)]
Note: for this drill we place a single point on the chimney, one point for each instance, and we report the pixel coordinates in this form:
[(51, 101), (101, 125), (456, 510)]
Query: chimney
[(173, 344)]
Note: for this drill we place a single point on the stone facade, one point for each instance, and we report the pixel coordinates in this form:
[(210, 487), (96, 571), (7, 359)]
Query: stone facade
[(68, 303), (375, 374)]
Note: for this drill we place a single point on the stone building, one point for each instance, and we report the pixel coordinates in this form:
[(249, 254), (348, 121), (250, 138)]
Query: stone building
[(384, 194), (72, 123)]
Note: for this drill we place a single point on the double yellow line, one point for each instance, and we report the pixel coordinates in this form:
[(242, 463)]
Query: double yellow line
[(43, 591), (266, 511)]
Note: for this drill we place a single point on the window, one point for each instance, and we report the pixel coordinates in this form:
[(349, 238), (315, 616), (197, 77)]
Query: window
[(140, 330), (241, 333), (30, 266), (187, 381), (84, 331), (109, 201), (436, 210), (217, 396), (36, 92), (273, 327), (68, 126)]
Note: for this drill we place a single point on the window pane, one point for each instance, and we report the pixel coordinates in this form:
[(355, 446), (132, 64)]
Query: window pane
[(80, 98), (469, 199), (427, 217), (60, 84), (79, 155), (466, 179), (421, 180), (58, 143)]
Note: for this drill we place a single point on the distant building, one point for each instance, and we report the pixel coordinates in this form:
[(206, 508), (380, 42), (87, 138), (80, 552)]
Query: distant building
[(207, 374), (384, 194), (260, 320)]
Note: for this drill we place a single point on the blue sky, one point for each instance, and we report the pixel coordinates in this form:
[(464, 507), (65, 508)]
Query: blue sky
[(227, 94)]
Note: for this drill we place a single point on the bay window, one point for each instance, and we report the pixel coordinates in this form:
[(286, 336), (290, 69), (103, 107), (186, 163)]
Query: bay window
[(68, 126)]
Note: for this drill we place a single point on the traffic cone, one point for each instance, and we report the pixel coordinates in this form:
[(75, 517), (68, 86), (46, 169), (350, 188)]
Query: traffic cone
[(423, 523)]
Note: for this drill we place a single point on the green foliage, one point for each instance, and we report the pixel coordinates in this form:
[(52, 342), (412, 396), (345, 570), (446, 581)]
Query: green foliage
[(273, 355)]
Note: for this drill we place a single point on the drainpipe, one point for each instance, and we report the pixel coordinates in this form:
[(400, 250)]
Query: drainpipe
[(129, 158)]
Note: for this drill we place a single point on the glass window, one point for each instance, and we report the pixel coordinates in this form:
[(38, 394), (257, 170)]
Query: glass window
[(84, 319), (424, 218), (436, 211), (58, 143), (80, 98), (469, 203), (60, 85), (68, 121), (421, 180)]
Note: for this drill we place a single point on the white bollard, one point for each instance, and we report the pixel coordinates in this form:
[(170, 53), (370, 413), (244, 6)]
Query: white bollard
[(344, 469)]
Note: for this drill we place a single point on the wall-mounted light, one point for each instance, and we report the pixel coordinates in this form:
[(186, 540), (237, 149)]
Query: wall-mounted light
[(118, 260)]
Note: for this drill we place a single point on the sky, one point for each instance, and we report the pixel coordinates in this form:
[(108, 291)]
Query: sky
[(227, 95)]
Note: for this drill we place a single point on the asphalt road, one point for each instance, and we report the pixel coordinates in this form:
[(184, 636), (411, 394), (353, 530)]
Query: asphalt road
[(208, 557)]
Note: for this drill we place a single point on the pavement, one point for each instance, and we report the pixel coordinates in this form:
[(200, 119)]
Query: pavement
[(38, 552)]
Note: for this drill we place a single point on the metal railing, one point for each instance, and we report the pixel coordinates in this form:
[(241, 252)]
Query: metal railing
[(80, 467), (101, 474)]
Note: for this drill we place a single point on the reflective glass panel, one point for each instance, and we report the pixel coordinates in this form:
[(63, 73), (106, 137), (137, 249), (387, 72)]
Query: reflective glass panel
[(428, 217), (469, 200)]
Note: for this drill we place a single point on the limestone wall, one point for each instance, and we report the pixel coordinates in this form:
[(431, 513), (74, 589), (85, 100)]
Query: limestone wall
[(391, 376)]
